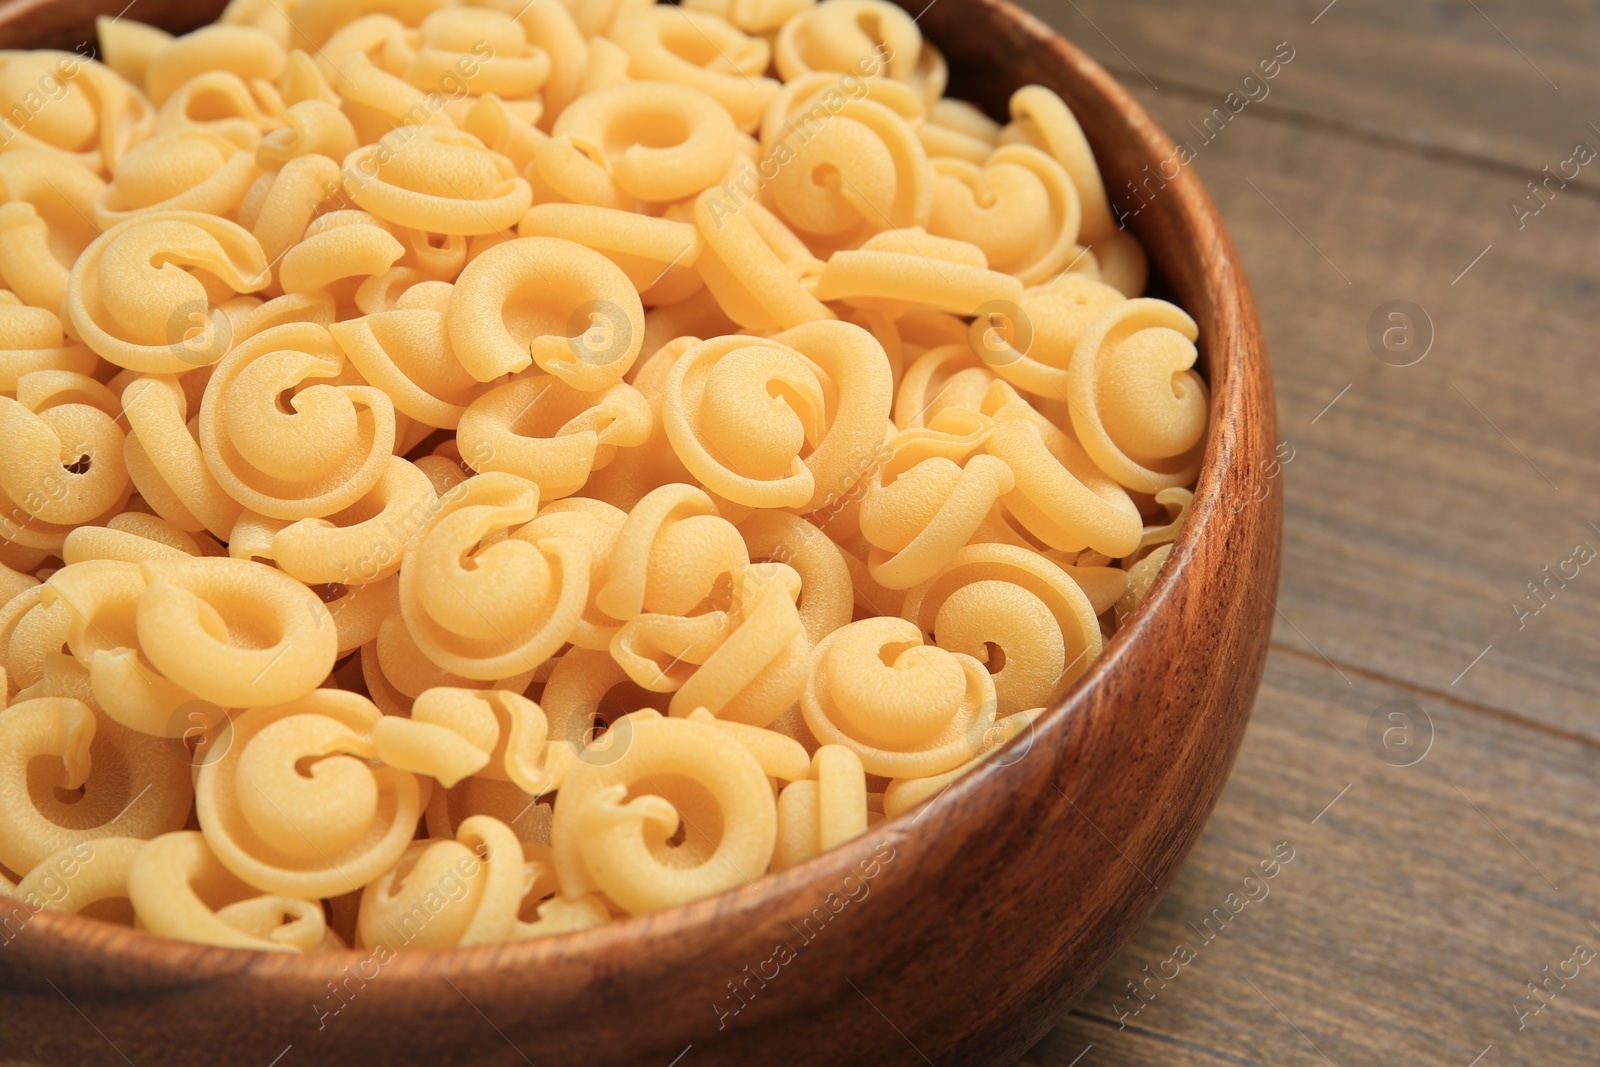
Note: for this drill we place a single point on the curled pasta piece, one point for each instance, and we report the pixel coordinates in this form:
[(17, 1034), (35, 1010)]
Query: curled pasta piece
[(31, 339), (670, 554), (221, 102), (746, 664), (285, 201), (338, 252), (73, 107), (823, 810), (234, 632), (900, 270), (281, 442), (825, 598), (484, 51), (905, 708), (545, 301), (445, 894), (162, 319), (1019, 207), (862, 171), (243, 50), (752, 264), (396, 672), (61, 459), (70, 776), (326, 832), (905, 793), (614, 822), (1013, 610), (360, 544), (596, 524), (46, 221), (565, 172), (406, 352), (1042, 119), (668, 43), (185, 170), (946, 376), (1138, 407), (869, 37), (485, 609), (442, 181), (165, 461), (454, 733), (1061, 497), (132, 537), (660, 140), (311, 128), (929, 497), (649, 250), (544, 430), (1030, 343), (85, 878), (180, 889)]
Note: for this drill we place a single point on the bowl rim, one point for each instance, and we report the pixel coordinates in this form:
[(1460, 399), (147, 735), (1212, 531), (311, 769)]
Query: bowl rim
[(158, 957)]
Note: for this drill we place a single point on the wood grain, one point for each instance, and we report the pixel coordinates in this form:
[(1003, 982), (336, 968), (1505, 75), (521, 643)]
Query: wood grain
[(1000, 901), (1466, 80)]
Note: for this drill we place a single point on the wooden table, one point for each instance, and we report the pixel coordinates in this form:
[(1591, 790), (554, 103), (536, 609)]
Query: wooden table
[(1381, 166)]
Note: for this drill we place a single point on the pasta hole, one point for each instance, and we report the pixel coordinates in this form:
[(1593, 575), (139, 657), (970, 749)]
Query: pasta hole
[(996, 661), (891, 652), (78, 466), (679, 836), (825, 175), (285, 401), (303, 765), (70, 796)]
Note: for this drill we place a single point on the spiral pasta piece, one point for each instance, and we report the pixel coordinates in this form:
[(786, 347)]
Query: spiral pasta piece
[(89, 877), (1138, 407), (614, 822), (46, 221), (674, 44), (179, 888), (905, 708), (162, 320), (825, 598), (444, 894), (487, 610), (120, 783), (545, 301), (1042, 119), (94, 118), (454, 733), (185, 170), (753, 264), (869, 36), (660, 140), (319, 834), (281, 442), (165, 461), (437, 180), (671, 552), (1012, 609), (542, 429), (1020, 207), (60, 459), (1030, 344)]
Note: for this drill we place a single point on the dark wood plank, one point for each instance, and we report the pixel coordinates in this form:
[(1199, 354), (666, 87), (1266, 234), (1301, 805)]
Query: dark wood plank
[(1422, 502), (1412, 914), (1437, 74)]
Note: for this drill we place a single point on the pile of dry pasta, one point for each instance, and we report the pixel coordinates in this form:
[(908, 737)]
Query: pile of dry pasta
[(473, 472)]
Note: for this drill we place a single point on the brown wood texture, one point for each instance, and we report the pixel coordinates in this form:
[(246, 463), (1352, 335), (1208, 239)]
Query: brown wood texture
[(987, 911), (1418, 507)]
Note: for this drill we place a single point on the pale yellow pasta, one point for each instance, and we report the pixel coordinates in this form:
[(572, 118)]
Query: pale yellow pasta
[(46, 221), (905, 708), (179, 888), (929, 496), (437, 180), (88, 877), (545, 301), (992, 597), (899, 270), (71, 106), (1042, 119), (487, 610), (162, 320), (669, 43), (1020, 207), (658, 140), (544, 430), (341, 518), (247, 798), (614, 822), (444, 894), (68, 775), (1138, 408), (312, 453)]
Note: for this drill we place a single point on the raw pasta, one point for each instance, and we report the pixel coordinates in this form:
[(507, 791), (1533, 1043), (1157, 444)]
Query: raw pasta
[(473, 472)]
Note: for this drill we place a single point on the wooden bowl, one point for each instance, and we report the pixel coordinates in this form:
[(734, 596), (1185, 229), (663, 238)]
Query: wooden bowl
[(956, 933)]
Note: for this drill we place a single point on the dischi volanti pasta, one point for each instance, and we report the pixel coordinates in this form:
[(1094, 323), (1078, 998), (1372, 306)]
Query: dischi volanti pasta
[(471, 472)]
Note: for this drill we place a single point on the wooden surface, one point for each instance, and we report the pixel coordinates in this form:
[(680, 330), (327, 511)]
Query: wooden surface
[(985, 912), (1418, 507)]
